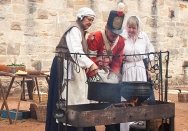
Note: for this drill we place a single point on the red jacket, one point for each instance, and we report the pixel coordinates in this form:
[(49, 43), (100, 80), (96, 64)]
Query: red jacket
[(97, 47)]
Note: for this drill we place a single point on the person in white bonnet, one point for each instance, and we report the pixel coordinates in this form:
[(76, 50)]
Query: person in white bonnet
[(85, 11), (76, 43), (134, 69), (72, 41)]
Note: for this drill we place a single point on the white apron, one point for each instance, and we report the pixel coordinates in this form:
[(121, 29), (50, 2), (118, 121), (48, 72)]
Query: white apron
[(77, 89)]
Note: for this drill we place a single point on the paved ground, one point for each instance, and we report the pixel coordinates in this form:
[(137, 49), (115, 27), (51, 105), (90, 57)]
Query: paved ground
[(181, 117)]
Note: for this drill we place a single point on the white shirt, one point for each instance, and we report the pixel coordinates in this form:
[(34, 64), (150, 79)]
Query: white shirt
[(77, 87), (74, 39), (134, 68)]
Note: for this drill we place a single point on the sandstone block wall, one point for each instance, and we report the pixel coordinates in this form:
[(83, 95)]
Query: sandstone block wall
[(30, 29)]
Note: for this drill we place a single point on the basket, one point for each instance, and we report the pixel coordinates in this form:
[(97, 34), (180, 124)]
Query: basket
[(43, 97), (14, 69), (41, 112)]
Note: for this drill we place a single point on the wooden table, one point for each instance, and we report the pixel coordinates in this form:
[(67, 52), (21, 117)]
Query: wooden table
[(2, 91), (23, 80)]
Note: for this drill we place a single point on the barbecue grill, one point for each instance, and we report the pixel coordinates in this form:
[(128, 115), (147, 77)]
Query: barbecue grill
[(110, 109), (87, 115)]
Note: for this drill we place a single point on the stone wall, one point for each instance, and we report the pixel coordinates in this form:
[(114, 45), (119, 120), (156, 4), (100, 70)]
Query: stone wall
[(30, 29)]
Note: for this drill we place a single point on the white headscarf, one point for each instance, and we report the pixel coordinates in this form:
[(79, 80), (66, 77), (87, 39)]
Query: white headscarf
[(140, 24), (85, 11)]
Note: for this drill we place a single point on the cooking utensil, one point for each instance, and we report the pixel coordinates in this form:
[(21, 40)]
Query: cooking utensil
[(112, 92)]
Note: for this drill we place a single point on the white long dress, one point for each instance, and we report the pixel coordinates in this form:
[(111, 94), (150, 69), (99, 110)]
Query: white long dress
[(77, 87), (133, 68)]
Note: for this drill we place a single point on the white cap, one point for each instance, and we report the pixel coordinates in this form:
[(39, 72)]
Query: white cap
[(85, 11)]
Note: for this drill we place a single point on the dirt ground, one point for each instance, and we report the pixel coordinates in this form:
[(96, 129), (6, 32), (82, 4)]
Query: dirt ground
[(181, 117)]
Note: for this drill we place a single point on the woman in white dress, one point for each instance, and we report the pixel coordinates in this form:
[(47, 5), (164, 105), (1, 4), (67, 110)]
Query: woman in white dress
[(137, 42)]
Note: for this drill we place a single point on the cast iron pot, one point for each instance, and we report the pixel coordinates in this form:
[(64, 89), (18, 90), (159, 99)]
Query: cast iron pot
[(112, 92), (104, 92), (142, 90)]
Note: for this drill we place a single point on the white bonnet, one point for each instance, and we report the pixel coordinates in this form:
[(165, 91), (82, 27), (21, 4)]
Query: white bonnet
[(140, 24), (85, 11)]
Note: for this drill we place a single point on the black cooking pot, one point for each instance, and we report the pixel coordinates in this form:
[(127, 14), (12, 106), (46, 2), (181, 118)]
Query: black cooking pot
[(142, 90), (112, 92), (105, 92)]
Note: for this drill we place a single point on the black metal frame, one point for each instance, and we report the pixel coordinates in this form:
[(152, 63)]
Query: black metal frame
[(160, 81)]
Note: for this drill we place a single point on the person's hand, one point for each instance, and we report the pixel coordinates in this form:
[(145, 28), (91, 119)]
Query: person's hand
[(93, 67), (92, 71)]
